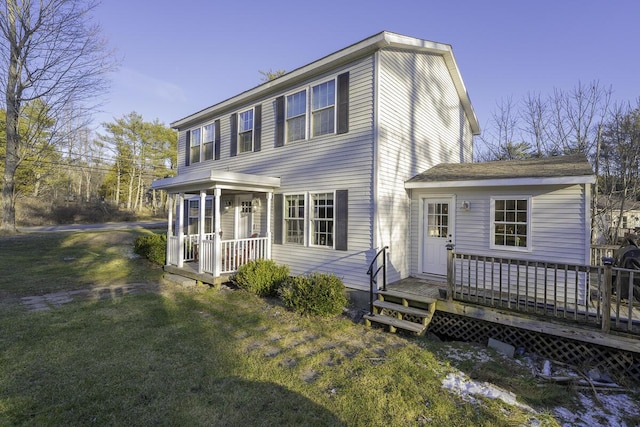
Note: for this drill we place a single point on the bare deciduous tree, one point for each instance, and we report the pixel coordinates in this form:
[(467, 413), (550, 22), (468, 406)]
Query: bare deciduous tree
[(52, 52)]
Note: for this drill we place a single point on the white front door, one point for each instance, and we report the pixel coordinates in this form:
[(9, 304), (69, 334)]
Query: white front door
[(244, 216), (437, 231)]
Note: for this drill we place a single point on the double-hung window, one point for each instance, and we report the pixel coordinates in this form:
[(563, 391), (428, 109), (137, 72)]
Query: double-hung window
[(192, 216), (208, 132), (194, 144), (245, 131), (294, 217), (321, 219), (323, 111), (511, 228), (297, 116)]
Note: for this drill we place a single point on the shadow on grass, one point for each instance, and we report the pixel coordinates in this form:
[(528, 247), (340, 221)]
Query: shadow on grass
[(143, 360)]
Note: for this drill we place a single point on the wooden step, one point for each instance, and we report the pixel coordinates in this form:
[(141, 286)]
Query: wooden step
[(394, 323), (408, 297), (402, 309)]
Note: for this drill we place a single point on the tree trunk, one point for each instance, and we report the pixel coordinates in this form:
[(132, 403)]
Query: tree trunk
[(12, 99)]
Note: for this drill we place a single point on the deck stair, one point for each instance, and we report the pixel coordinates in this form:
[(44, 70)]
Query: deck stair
[(398, 310)]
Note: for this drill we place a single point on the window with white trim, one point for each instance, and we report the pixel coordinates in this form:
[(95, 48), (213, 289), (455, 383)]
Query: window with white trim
[(294, 215), (323, 101), (296, 117), (511, 226), (321, 220), (194, 144), (245, 131), (208, 135), (192, 216)]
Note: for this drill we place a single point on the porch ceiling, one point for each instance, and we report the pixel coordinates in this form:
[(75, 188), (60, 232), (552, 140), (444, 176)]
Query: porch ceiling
[(204, 180)]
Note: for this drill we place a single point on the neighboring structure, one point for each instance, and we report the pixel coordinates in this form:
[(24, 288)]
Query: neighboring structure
[(318, 169)]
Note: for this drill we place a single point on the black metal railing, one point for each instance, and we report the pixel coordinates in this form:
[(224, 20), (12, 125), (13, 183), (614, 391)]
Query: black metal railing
[(374, 274)]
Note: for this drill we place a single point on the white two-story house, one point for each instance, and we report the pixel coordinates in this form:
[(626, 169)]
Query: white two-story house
[(309, 169)]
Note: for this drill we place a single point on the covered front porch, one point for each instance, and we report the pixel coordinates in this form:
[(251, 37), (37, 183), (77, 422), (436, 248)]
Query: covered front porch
[(217, 221)]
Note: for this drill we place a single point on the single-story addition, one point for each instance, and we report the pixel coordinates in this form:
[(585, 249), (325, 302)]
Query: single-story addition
[(321, 167), (530, 210)]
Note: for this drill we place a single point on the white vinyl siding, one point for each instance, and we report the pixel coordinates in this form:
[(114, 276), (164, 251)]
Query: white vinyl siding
[(557, 221), (421, 123), (333, 161)]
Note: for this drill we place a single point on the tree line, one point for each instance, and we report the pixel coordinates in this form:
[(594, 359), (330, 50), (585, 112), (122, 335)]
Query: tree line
[(581, 120)]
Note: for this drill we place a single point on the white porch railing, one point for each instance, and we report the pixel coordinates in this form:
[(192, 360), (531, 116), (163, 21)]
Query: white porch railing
[(237, 252), (233, 254), (173, 245)]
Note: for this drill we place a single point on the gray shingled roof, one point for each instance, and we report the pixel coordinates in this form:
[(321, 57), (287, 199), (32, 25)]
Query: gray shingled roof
[(547, 167)]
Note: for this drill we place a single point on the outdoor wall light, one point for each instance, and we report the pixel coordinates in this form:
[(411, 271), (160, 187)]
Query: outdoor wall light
[(466, 205), (255, 204), (227, 205)]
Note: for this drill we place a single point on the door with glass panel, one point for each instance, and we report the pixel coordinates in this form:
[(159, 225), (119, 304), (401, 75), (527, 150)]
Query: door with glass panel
[(437, 230)]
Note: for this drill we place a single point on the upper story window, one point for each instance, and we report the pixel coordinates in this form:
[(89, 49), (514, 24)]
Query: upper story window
[(321, 109), (297, 116), (245, 131), (194, 144), (511, 223), (323, 101), (208, 136)]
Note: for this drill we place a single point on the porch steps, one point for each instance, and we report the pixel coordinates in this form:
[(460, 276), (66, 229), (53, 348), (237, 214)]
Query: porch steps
[(398, 310)]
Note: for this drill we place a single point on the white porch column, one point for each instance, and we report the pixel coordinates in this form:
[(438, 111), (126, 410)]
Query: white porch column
[(201, 218), (269, 199), (217, 233), (170, 206), (180, 230)]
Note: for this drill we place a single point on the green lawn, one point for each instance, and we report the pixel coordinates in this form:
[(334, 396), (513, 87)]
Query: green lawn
[(207, 357)]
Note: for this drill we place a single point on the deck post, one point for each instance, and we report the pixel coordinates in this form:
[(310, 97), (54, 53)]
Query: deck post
[(450, 278), (180, 230), (201, 216), (269, 202), (606, 294), (217, 233), (171, 205)]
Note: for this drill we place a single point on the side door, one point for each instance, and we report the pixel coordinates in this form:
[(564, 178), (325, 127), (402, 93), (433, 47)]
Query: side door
[(437, 231)]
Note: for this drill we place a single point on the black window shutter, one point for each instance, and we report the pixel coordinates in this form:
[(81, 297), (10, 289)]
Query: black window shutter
[(278, 203), (234, 135), (187, 150), (257, 127), (216, 140), (341, 210), (279, 121), (343, 103)]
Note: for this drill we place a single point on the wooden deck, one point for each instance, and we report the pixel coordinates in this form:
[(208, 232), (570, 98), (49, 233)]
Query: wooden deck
[(436, 288), (190, 270)]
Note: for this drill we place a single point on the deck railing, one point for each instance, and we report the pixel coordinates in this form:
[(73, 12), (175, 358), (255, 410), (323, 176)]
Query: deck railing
[(581, 293), (601, 251)]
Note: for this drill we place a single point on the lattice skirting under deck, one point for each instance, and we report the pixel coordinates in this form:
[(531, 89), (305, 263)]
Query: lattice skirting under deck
[(624, 366)]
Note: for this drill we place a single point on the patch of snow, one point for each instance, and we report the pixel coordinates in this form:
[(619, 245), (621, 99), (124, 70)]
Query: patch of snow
[(468, 389), (609, 411)]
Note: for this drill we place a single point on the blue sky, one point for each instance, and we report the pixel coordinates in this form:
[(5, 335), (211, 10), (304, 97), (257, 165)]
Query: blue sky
[(181, 57)]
